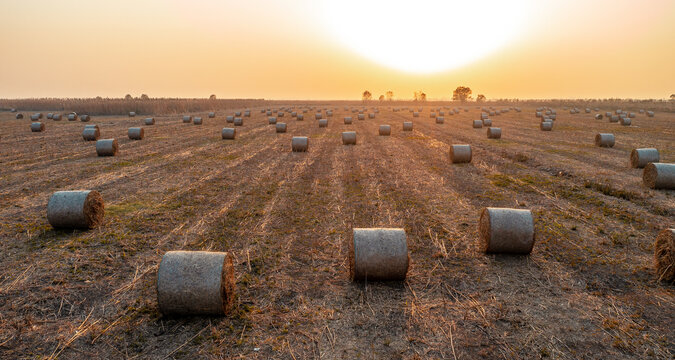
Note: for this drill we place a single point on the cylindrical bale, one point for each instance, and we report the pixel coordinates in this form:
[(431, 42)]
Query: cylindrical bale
[(659, 176), (349, 138), (149, 121), (280, 114), (195, 283), (35, 117), (81, 209), (136, 133), (487, 122), (212, 115), (371, 115), (598, 116), (299, 143), (407, 126), (281, 127), (650, 114), (378, 255), (106, 147), (237, 113), (197, 121), (94, 126), (494, 133), (664, 255), (238, 121), (361, 116), (604, 140), (300, 117), (56, 117), (272, 120), (247, 113), (132, 114), (440, 119), (37, 127), (187, 119), (639, 158), (50, 116), (348, 120), (614, 119), (546, 126), (72, 117), (507, 231), (269, 113), (460, 154), (19, 116), (91, 134), (385, 130), (228, 133), (625, 121), (318, 116), (85, 118), (229, 119), (631, 115), (323, 123), (477, 124), (416, 114)]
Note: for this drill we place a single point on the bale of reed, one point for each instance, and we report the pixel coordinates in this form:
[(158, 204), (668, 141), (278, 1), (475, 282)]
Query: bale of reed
[(196, 283), (625, 121), (80, 209), (281, 127), (72, 117), (299, 143), (348, 120), (106, 147), (460, 154), (506, 231), (546, 126), (187, 119), (136, 133), (385, 130), (407, 126), (149, 121), (229, 119), (19, 116), (378, 254), (604, 140), (197, 121), (494, 133), (272, 120), (323, 123), (659, 176), (91, 133), (477, 124), (487, 122), (228, 133), (349, 138), (639, 158), (37, 127), (361, 116), (132, 114), (212, 115), (85, 118), (440, 119), (664, 255), (238, 121)]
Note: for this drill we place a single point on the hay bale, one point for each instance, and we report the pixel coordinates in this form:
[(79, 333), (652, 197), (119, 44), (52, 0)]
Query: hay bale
[(106, 147), (598, 116), (664, 255), (460, 154), (300, 117), (494, 133), (272, 120), (80, 209), (378, 255), (349, 138), (348, 120), (247, 113), (187, 119), (506, 231), (238, 121), (650, 114), (56, 117), (538, 114), (50, 116), (416, 114), (639, 158), (299, 143), (72, 117), (197, 121), (229, 119), (483, 116), (361, 117), (36, 117), (318, 116), (212, 115), (631, 115), (37, 127), (546, 125), (85, 118), (385, 130), (132, 114), (407, 126), (228, 133), (19, 116), (614, 119), (91, 134), (281, 127), (280, 114), (323, 123), (136, 133), (195, 283), (371, 115), (487, 122), (149, 121), (625, 121), (604, 140), (269, 113), (237, 113), (659, 176), (477, 124), (440, 119)]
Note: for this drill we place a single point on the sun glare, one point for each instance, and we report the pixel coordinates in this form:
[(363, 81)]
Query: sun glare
[(426, 36)]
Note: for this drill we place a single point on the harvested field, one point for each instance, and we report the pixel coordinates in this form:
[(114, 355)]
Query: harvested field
[(587, 290)]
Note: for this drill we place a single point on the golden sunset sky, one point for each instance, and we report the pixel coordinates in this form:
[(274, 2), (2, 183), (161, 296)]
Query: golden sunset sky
[(320, 49)]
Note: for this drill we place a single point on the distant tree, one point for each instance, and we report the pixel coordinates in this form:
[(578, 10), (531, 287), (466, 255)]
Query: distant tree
[(423, 97), (390, 95), (367, 96), (212, 97), (420, 96), (381, 98), (128, 97), (480, 98), (672, 96), (145, 97), (462, 93)]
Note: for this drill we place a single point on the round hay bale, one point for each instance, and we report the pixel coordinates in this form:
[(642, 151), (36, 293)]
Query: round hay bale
[(483, 116), (187, 119), (349, 138), (318, 116), (440, 119), (625, 121), (407, 126), (91, 134), (361, 117), (237, 113), (323, 123), (50, 116), (300, 117), (80, 209), (477, 124), (604, 140), (294, 114), (229, 119), (487, 122), (378, 255), (664, 255), (299, 143), (195, 283), (538, 114), (238, 121), (494, 133), (598, 116), (132, 114), (546, 126), (371, 115), (650, 114), (385, 130), (36, 117), (197, 121), (614, 119), (228, 133), (85, 118), (280, 114), (269, 113), (460, 154), (247, 113), (19, 116), (639, 158), (106, 147), (348, 120), (212, 115), (416, 114), (149, 121), (506, 231), (37, 127), (136, 133), (631, 115), (72, 117), (56, 117), (659, 176), (272, 120), (281, 127)]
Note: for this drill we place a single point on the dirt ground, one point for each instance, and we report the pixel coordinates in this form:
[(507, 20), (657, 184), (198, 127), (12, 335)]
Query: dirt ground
[(588, 290)]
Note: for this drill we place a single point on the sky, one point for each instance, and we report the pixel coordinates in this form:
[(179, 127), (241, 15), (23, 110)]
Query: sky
[(323, 49)]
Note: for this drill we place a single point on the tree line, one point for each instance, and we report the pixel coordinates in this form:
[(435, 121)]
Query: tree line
[(461, 93)]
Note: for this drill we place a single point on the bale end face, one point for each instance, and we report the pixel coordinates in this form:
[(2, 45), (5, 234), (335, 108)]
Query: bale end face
[(506, 231), (664, 255), (82, 209)]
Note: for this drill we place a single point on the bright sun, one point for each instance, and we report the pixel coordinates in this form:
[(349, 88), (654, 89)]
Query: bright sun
[(425, 36)]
